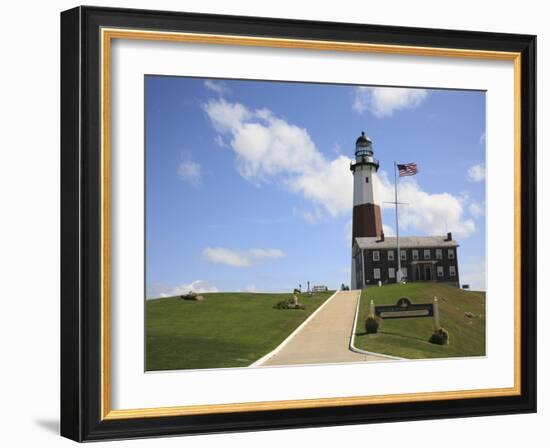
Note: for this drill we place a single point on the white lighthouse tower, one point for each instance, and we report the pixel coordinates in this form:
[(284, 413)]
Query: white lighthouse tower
[(367, 219)]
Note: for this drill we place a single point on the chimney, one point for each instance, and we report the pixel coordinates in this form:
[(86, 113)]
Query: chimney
[(449, 236), (381, 236)]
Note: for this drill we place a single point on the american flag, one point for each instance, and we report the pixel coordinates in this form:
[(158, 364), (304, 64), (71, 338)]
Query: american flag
[(407, 169)]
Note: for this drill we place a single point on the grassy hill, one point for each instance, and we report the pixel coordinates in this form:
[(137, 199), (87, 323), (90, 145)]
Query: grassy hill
[(408, 338), (224, 330)]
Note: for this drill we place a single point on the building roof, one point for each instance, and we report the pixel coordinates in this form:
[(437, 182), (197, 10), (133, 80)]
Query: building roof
[(405, 242)]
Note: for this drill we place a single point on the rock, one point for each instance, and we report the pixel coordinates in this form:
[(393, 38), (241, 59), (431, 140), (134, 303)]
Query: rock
[(468, 314)]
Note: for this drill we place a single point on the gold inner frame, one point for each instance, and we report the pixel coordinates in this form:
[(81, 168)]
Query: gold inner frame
[(107, 35)]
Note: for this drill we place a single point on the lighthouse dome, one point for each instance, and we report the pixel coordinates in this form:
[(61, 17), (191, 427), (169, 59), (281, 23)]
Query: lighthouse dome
[(364, 154), (363, 140), (363, 146)]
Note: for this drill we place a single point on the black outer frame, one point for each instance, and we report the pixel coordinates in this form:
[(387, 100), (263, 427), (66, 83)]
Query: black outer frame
[(80, 223)]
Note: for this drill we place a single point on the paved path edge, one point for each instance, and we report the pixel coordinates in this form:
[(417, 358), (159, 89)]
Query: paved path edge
[(352, 346), (277, 349)]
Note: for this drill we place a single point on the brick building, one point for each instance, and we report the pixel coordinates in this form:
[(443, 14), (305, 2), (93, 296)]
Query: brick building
[(423, 258)]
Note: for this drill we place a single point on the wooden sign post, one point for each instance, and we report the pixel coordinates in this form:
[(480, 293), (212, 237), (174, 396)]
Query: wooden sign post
[(436, 314)]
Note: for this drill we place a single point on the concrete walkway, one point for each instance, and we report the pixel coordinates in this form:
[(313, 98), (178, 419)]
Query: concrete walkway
[(325, 338)]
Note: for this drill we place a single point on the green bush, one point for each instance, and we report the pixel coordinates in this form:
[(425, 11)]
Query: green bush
[(440, 337), (289, 305), (371, 324)]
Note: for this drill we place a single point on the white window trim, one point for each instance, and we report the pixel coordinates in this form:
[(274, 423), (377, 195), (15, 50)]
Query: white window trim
[(451, 254), (403, 254), (438, 254), (375, 255), (390, 252), (374, 273), (429, 257), (391, 272), (440, 271), (452, 271), (415, 255)]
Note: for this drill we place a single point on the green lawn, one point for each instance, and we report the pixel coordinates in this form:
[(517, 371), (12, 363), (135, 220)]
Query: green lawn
[(408, 338), (224, 330)]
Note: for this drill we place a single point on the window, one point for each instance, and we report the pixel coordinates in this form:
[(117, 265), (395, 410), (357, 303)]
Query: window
[(438, 254), (415, 255), (451, 254), (404, 272), (452, 271), (440, 271), (376, 255), (366, 180), (391, 272), (390, 255), (376, 273), (403, 255), (427, 254)]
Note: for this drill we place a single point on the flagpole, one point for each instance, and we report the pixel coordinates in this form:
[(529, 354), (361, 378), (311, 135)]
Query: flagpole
[(398, 273)]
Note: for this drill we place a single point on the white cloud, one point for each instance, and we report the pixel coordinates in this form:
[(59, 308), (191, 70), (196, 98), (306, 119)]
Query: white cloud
[(476, 210), (199, 286), (226, 117), (191, 173), (476, 173), (219, 87), (268, 148), (239, 258), (426, 213), (384, 101), (330, 185)]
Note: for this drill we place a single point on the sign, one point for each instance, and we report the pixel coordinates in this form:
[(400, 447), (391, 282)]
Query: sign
[(404, 309)]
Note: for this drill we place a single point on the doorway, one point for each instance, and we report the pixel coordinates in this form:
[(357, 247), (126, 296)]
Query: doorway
[(428, 272)]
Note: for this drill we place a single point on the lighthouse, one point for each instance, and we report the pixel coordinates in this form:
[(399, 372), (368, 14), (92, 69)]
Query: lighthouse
[(377, 259), (367, 221)]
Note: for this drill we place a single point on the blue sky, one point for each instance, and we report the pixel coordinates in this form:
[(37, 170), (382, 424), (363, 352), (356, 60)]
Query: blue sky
[(248, 184)]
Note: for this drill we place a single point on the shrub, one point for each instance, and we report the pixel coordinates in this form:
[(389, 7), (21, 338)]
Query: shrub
[(289, 305), (440, 337), (371, 324), (191, 295)]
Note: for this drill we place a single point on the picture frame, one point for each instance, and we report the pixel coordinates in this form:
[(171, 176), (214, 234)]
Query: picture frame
[(86, 37)]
